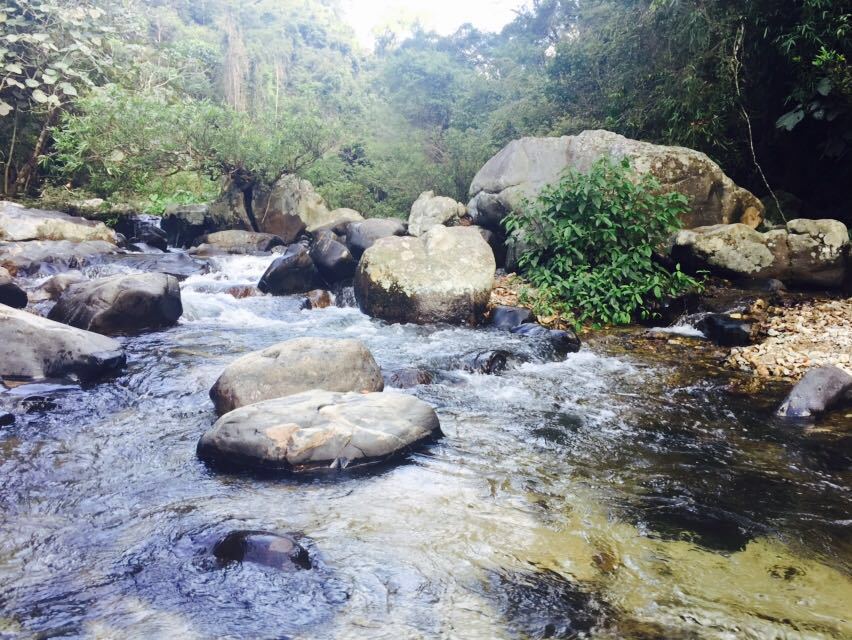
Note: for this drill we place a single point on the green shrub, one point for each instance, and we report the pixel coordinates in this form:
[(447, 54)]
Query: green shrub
[(589, 244)]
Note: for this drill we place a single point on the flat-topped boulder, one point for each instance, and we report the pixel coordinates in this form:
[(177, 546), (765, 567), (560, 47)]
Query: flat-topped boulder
[(32, 348), (522, 168), (19, 224), (430, 210), (804, 252), (52, 256), (237, 241), (444, 276), (295, 366), (360, 236), (319, 430), (121, 304)]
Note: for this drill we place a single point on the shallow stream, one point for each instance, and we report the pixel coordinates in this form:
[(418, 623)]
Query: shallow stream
[(604, 495)]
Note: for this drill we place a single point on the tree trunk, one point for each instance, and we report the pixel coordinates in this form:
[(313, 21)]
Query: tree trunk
[(28, 170), (10, 158)]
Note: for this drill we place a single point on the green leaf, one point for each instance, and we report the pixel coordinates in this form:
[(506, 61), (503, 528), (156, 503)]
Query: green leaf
[(32, 84), (789, 120), (14, 67), (68, 89), (39, 96), (824, 86), (5, 108)]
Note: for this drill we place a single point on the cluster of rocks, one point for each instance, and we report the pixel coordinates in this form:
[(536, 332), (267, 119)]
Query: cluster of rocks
[(798, 338), (311, 404)]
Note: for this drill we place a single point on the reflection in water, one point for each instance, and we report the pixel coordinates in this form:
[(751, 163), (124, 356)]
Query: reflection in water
[(596, 494)]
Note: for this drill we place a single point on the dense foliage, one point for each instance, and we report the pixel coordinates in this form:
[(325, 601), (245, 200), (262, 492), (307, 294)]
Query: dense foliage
[(764, 87), (588, 244)]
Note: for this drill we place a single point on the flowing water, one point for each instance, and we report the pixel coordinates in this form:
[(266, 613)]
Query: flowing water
[(600, 495)]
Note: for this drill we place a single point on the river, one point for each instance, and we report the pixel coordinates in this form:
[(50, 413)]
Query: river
[(604, 494)]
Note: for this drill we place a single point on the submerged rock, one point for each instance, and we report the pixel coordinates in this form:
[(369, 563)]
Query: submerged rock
[(319, 430), (6, 419), (55, 286), (295, 366), (264, 548), (293, 272), (444, 276), (524, 166), (143, 230), (121, 304), (32, 347), (11, 294), (408, 378), (18, 224), (179, 265), (360, 236), (724, 330), (318, 299), (430, 211), (487, 362), (817, 392)]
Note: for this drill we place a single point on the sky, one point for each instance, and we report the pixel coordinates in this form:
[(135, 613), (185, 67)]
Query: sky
[(444, 16)]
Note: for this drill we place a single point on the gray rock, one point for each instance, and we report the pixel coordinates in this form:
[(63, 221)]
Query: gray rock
[(121, 304), (51, 256), (489, 362), (55, 286), (444, 276), (817, 392), (237, 241), (408, 378), (183, 224), (295, 366), (18, 224), (507, 318), (360, 236), (806, 252), (179, 265), (522, 168), (430, 210), (11, 294), (32, 347), (142, 230), (562, 341), (293, 272), (291, 207), (319, 430)]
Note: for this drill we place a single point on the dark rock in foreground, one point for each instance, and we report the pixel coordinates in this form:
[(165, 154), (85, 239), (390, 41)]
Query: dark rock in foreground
[(487, 362), (333, 260), (121, 304), (820, 390), (264, 548), (319, 431), (32, 347), (11, 294)]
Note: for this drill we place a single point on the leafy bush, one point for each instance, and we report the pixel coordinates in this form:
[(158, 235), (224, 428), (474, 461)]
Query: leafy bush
[(589, 244)]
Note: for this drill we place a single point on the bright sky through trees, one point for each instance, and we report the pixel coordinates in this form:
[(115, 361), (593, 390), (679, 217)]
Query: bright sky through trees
[(444, 16)]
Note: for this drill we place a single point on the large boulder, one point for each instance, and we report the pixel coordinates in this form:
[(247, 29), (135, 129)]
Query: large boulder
[(237, 241), (183, 224), (805, 252), (445, 275), (290, 207), (51, 256), (430, 210), (293, 272), (11, 294), (121, 304), (522, 168), (319, 430), (818, 391), (17, 224), (32, 347), (332, 258), (360, 236), (295, 366)]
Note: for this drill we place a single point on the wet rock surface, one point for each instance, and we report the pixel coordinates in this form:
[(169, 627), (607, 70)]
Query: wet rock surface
[(818, 391), (293, 272), (332, 258), (408, 378), (18, 224), (272, 550), (236, 242), (562, 340), (121, 304), (32, 347), (296, 366), (51, 256), (10, 293), (319, 431), (360, 236), (507, 318), (724, 330)]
